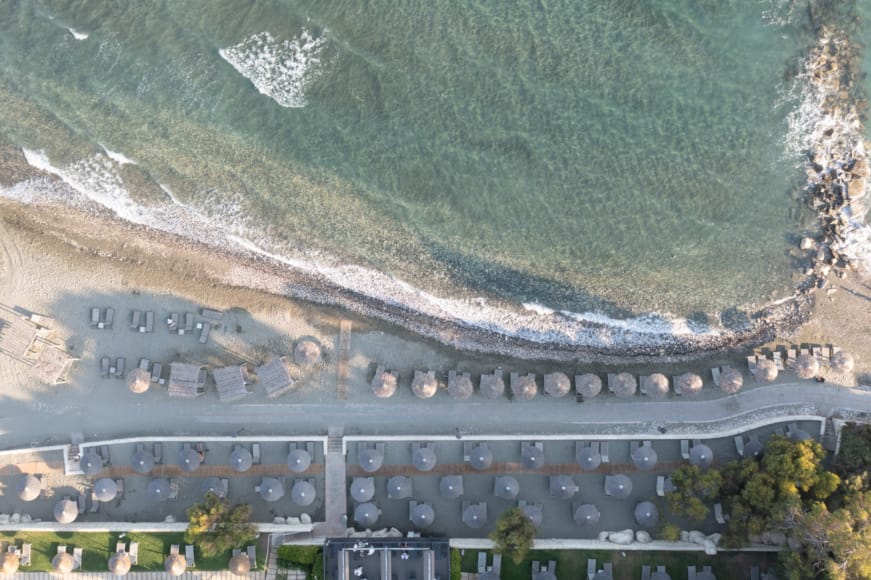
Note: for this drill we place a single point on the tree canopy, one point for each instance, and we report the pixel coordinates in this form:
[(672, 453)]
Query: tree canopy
[(216, 526), (514, 534), (693, 487)]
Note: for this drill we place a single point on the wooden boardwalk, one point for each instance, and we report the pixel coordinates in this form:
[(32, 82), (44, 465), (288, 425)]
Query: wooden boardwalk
[(344, 353)]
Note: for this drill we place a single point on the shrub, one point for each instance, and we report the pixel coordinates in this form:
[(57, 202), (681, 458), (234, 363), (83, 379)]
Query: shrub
[(317, 572), (456, 565), (301, 557), (670, 533)]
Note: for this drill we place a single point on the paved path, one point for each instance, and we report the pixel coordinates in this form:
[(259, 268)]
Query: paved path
[(219, 575)]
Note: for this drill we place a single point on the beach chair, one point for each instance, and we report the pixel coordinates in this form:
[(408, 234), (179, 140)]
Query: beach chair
[(604, 452), (120, 547), (591, 568), (95, 504), (467, 450), (536, 567), (482, 562), (204, 334), (188, 323), (77, 558), (684, 449), (156, 371), (645, 573), (790, 357), (754, 573), (189, 556), (119, 483), (149, 321), (818, 354), (551, 567), (660, 485), (173, 489), (826, 356), (739, 445), (104, 454), (497, 563), (158, 452), (172, 321), (24, 559), (61, 549), (778, 359), (120, 364), (661, 570), (82, 501), (134, 553), (642, 384), (718, 513), (144, 363), (201, 449), (805, 351), (110, 318), (252, 556), (135, 316), (104, 366), (95, 316), (691, 573), (751, 364), (609, 570), (173, 550), (715, 374), (255, 453)]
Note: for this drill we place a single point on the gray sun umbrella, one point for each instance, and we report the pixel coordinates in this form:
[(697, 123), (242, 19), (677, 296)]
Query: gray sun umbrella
[(842, 362), (271, 489), (588, 458), (731, 380), (399, 487), (423, 458), (644, 458), (366, 514), (302, 493), (646, 514), (241, 459), (532, 457), (586, 515), (657, 386), (362, 489), (119, 563), (213, 485), (618, 486), (370, 459), (188, 459), (798, 434), (806, 366), (688, 384), (481, 457), (557, 384), (143, 461), (91, 463), (562, 486), (588, 385), (66, 511), (534, 513), (298, 460), (766, 370), (754, 448), (28, 487), (475, 515), (158, 488), (506, 487), (451, 486), (105, 489), (422, 515), (701, 456)]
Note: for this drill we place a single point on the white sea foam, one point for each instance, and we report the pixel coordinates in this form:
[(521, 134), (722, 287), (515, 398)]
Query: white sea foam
[(119, 158), (281, 70), (78, 35)]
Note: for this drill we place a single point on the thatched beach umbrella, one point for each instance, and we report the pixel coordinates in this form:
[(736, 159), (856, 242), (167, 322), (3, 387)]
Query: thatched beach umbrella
[(475, 515), (688, 384), (138, 380), (370, 459), (175, 564), (557, 384), (523, 387), (842, 362), (307, 353), (158, 488), (10, 563), (806, 366), (701, 456), (384, 384), (302, 493), (298, 460), (506, 487), (587, 457), (646, 514), (422, 515), (531, 457), (618, 486), (644, 457), (623, 385), (492, 386), (424, 384), (731, 380), (480, 457), (105, 489), (119, 563), (271, 489), (460, 386), (28, 487), (362, 489), (189, 459), (91, 463), (534, 513), (588, 385), (142, 461), (366, 514), (213, 485), (66, 511), (586, 515), (423, 458), (451, 486), (63, 563), (562, 486), (399, 487), (241, 459), (657, 386), (766, 370), (240, 565)]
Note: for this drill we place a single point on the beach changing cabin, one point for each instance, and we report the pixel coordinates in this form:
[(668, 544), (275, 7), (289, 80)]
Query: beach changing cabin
[(186, 380)]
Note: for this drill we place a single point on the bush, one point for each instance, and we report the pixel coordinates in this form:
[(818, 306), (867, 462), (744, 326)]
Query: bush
[(456, 565), (301, 557), (670, 533), (317, 572)]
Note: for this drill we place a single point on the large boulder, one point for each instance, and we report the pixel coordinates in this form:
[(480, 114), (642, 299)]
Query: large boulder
[(603, 536), (623, 538), (710, 548), (697, 537), (643, 537)]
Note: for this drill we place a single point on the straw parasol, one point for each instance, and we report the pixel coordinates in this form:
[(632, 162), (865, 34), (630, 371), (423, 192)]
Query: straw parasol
[(158, 488), (842, 362), (506, 487), (213, 485), (142, 461), (188, 459), (424, 384), (587, 514), (766, 370), (362, 489), (175, 564), (657, 386), (366, 514), (688, 384), (618, 486), (531, 457), (475, 515), (562, 486), (701, 456), (10, 564), (370, 459), (302, 493), (105, 489), (119, 563), (588, 458), (28, 487), (588, 385), (481, 457), (534, 513), (307, 353), (422, 515), (423, 458), (241, 459), (623, 385), (66, 511), (646, 514), (731, 380), (557, 384), (523, 387), (298, 460), (239, 565), (138, 380), (451, 486), (460, 386), (63, 563), (399, 487), (384, 384), (644, 457), (492, 386), (91, 463), (806, 366), (271, 489)]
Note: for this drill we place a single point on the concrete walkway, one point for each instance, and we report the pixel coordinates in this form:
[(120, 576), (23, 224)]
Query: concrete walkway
[(218, 575)]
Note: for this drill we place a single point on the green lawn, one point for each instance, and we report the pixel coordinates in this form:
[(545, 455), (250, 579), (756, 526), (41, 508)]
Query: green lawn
[(572, 564), (97, 548)]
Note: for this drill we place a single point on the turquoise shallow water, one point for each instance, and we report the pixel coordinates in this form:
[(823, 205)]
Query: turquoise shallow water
[(618, 156)]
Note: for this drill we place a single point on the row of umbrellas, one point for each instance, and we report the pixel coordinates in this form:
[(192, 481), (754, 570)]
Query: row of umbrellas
[(806, 366), (120, 564), (189, 459)]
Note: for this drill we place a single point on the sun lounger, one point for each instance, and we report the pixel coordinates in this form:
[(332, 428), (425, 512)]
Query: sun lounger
[(144, 364), (82, 501), (77, 558), (252, 556), (482, 562), (739, 445), (642, 384), (255, 452), (212, 314), (778, 359), (104, 454), (135, 317), (149, 321), (155, 372), (119, 483), (110, 318), (826, 356), (120, 547), (189, 556), (173, 488), (158, 452), (95, 504), (467, 450), (24, 559), (684, 449), (134, 553), (751, 364), (172, 321), (120, 364), (645, 573), (591, 568), (497, 563), (173, 550), (188, 323), (104, 366), (95, 316), (204, 334), (660, 485), (61, 549), (805, 351), (604, 452), (536, 567), (790, 357), (818, 353), (715, 374), (754, 573), (718, 513), (551, 566), (609, 569), (691, 573)]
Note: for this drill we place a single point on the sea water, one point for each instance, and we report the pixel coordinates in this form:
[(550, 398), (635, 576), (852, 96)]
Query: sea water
[(484, 159)]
